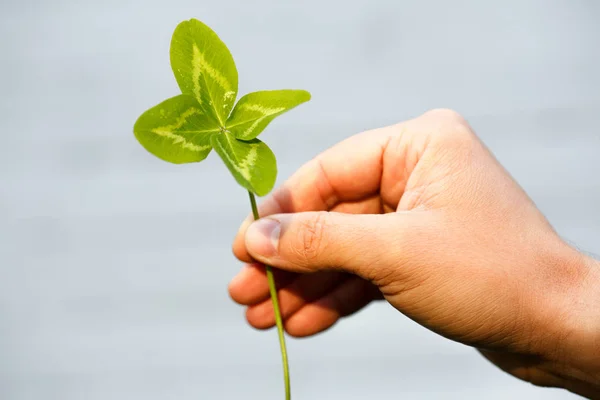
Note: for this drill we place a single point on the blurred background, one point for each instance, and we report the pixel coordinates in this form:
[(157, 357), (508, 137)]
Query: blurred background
[(114, 264)]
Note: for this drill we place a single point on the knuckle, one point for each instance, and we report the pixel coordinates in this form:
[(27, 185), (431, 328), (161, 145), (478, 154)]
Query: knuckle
[(312, 234), (445, 114), (450, 128)]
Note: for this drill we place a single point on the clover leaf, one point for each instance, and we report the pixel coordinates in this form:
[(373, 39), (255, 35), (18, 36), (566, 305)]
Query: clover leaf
[(184, 128)]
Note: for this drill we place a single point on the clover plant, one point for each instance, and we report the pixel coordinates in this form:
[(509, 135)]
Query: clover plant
[(205, 116)]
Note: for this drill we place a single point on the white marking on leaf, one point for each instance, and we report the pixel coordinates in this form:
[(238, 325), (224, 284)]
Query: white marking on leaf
[(249, 161), (228, 95), (242, 166), (226, 99), (201, 66), (262, 109), (180, 140), (254, 125), (196, 73), (183, 117), (265, 111), (167, 131)]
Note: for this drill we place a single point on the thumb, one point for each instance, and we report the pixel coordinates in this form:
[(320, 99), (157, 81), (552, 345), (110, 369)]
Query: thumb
[(366, 245)]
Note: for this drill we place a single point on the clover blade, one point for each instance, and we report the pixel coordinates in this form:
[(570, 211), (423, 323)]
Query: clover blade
[(252, 163), (256, 110), (176, 130), (204, 68)]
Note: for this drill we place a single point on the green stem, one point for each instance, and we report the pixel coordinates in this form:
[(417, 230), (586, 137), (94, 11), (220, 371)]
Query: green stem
[(278, 321)]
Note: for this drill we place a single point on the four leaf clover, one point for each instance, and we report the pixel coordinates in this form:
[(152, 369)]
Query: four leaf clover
[(185, 128)]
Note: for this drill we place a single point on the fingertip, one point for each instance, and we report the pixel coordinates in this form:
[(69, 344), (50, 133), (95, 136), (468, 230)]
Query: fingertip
[(320, 315), (250, 285), (257, 318), (311, 320), (239, 284), (240, 252), (239, 244), (243, 226)]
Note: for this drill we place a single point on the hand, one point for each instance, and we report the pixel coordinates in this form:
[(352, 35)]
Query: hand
[(421, 214)]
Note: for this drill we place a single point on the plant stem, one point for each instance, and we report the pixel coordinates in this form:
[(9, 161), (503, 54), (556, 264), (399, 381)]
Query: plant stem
[(275, 301)]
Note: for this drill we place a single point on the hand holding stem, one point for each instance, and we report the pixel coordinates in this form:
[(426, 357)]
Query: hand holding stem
[(422, 215)]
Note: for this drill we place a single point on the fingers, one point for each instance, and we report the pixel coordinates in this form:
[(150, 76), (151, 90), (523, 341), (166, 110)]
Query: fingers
[(250, 285), (313, 241), (318, 316), (369, 205), (312, 317), (348, 172), (305, 289)]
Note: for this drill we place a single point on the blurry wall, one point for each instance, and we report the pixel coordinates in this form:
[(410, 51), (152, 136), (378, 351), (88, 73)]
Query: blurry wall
[(114, 265)]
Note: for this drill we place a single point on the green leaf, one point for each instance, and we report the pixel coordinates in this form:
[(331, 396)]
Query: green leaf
[(251, 163), (255, 111), (204, 68), (176, 130)]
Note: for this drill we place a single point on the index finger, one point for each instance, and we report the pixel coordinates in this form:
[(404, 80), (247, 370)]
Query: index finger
[(349, 171)]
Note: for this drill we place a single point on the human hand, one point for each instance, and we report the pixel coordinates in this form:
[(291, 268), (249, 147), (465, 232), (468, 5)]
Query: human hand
[(422, 215)]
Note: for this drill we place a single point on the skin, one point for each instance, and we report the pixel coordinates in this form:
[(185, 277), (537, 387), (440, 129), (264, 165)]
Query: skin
[(421, 214)]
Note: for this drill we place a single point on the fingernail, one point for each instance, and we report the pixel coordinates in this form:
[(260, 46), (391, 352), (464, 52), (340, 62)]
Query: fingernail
[(262, 237)]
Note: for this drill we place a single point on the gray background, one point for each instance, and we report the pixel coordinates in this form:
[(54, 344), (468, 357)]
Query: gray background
[(114, 265)]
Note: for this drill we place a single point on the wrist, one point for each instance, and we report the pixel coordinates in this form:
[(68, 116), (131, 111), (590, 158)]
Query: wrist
[(574, 356)]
